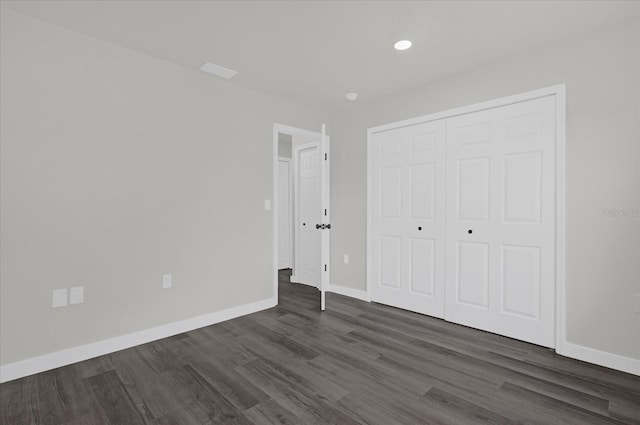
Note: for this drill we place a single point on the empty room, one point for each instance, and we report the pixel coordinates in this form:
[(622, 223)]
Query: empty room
[(319, 212)]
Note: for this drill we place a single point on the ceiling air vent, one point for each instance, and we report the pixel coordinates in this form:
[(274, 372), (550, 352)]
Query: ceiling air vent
[(217, 70)]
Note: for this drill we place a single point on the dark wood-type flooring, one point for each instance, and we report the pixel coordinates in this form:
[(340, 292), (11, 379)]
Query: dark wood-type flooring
[(356, 363)]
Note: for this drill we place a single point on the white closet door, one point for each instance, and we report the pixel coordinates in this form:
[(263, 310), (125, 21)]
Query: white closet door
[(501, 220), (409, 218)]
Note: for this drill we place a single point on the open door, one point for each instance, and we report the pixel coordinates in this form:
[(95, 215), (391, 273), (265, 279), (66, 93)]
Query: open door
[(325, 225)]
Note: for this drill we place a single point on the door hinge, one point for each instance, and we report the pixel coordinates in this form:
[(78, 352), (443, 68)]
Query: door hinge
[(325, 156), (325, 212), (325, 267)]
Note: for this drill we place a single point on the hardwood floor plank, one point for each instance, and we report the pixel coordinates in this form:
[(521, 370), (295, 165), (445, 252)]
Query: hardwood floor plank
[(114, 401), (559, 409), (148, 389), (455, 410), (209, 403), (268, 412), (302, 402), (239, 392), (19, 401)]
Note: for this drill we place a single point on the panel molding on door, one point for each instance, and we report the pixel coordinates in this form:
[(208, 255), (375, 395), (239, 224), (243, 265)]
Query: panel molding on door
[(501, 222), (308, 200), (408, 218)]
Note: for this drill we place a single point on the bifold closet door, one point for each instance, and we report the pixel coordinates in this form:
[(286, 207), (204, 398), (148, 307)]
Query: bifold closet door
[(500, 269), (408, 218)]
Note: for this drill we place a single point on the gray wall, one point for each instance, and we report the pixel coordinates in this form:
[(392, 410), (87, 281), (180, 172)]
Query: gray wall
[(117, 168), (284, 145), (602, 73)]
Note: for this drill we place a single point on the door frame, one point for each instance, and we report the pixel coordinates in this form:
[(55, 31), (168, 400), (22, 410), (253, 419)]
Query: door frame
[(559, 91), (286, 129)]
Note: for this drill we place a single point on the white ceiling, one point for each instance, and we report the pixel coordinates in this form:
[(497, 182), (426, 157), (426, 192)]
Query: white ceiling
[(313, 52)]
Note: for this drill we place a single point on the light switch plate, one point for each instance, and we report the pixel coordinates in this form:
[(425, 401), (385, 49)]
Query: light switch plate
[(76, 295), (267, 204), (346, 258), (166, 281), (59, 298)]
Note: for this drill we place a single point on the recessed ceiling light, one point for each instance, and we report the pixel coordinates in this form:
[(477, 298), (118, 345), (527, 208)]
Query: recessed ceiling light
[(402, 45), (351, 96), (217, 70)]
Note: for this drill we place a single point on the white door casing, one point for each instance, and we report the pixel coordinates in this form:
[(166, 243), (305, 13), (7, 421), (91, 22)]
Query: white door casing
[(501, 220), (325, 215), (285, 214), (409, 217)]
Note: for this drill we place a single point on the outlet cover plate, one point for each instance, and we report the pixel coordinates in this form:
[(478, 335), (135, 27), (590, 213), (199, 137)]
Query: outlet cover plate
[(76, 295), (166, 281), (59, 298)]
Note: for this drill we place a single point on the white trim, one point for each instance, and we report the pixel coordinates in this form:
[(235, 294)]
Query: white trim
[(602, 358), (306, 284), (369, 247), (275, 209), (281, 128), (561, 141), (559, 91), (490, 104), (325, 216), (358, 294), (39, 364)]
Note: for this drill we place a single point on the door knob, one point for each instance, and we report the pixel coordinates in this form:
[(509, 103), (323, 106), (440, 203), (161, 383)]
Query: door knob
[(318, 226), (304, 224), (419, 227), (470, 231)]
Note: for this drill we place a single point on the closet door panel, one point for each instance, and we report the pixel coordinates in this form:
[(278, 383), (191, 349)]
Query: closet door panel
[(501, 220), (408, 200)]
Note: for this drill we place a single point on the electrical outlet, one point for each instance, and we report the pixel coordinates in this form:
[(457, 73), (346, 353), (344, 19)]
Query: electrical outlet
[(166, 281), (346, 258), (267, 204), (76, 295), (59, 298), (636, 303)]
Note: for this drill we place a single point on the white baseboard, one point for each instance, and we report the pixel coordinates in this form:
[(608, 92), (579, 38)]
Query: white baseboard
[(34, 365), (602, 358), (349, 292)]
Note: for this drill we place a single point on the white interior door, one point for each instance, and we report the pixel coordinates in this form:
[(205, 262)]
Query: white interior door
[(409, 218), (308, 196), (501, 220), (285, 214)]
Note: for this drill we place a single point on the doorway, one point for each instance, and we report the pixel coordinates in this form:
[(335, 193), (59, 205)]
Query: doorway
[(301, 207)]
